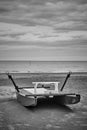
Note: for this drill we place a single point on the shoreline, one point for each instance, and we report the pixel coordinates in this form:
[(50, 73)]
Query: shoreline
[(45, 73), (42, 72)]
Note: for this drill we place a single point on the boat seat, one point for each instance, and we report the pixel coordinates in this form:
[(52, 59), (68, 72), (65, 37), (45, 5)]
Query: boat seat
[(38, 90), (24, 92)]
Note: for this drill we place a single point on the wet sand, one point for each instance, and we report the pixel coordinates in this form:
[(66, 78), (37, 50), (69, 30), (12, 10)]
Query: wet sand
[(46, 115)]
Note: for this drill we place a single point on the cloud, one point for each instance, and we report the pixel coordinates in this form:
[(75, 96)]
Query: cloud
[(47, 13), (3, 10), (15, 32), (50, 20), (43, 25)]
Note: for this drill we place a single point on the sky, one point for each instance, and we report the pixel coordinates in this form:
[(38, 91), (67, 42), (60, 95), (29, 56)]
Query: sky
[(43, 30)]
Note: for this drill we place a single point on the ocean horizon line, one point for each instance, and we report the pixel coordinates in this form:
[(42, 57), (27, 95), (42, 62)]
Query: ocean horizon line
[(43, 66), (44, 60)]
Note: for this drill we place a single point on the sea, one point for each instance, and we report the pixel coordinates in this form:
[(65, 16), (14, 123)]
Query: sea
[(42, 66)]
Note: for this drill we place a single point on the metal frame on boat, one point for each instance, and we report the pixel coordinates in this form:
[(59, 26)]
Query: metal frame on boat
[(28, 96)]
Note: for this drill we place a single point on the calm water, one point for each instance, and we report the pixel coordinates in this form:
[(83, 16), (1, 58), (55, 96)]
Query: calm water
[(43, 66)]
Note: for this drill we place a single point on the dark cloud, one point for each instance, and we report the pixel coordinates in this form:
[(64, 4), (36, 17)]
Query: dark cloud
[(6, 0), (3, 10), (81, 1), (7, 6), (40, 2), (46, 13), (77, 1)]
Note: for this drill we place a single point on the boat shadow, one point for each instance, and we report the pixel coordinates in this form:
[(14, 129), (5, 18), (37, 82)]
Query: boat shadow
[(49, 104)]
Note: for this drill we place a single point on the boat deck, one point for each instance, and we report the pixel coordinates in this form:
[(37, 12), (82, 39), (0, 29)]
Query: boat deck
[(38, 90)]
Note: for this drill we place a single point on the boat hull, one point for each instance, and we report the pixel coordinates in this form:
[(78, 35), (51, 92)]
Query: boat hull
[(26, 101), (67, 99), (63, 99)]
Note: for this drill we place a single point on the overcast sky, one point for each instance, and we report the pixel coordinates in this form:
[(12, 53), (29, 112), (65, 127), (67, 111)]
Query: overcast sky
[(43, 30)]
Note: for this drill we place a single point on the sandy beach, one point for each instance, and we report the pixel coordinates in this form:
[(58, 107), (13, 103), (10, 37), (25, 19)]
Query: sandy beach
[(46, 115)]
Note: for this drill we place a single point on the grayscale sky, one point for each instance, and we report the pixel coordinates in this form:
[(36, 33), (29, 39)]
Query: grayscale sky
[(43, 30)]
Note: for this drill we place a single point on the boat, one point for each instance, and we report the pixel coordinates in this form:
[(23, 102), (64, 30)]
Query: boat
[(29, 96)]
